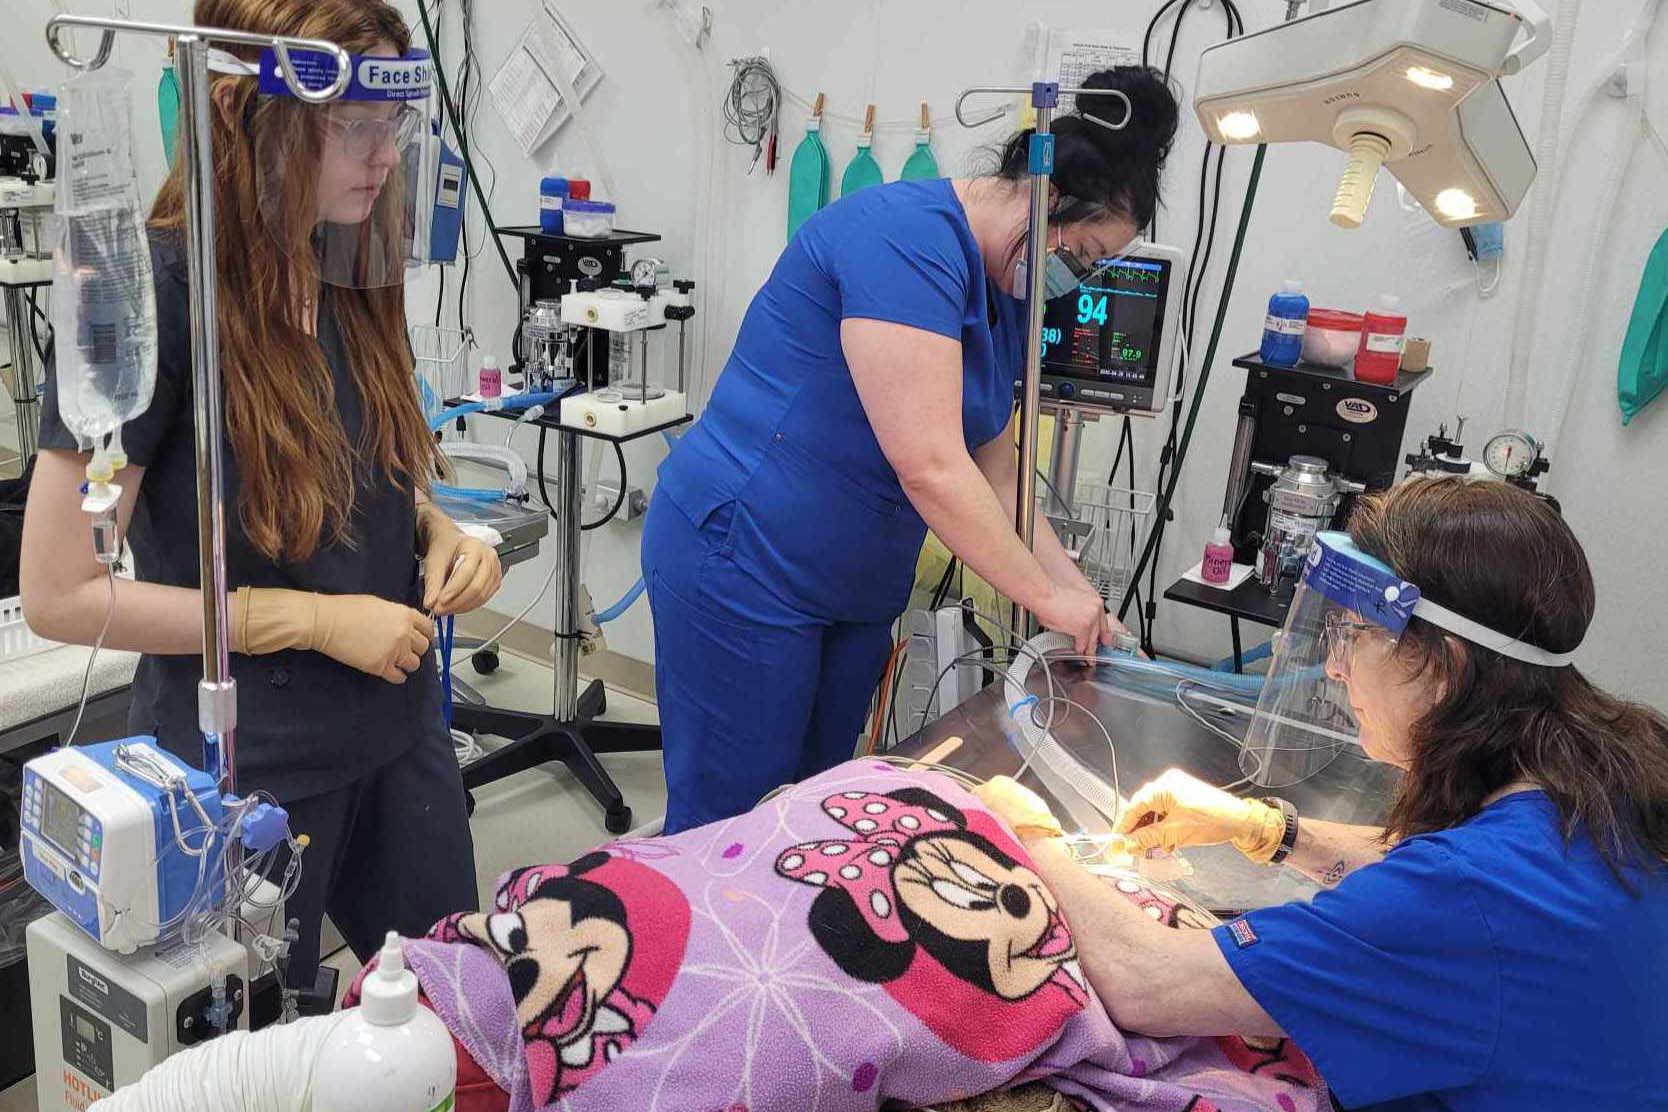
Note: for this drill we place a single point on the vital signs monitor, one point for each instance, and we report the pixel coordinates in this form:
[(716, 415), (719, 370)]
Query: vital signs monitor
[(1111, 343)]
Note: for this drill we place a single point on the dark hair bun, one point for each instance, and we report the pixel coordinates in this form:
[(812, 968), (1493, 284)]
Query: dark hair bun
[(1097, 168)]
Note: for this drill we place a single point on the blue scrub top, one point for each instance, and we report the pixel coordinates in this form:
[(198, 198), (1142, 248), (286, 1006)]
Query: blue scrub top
[(1486, 968), (818, 516)]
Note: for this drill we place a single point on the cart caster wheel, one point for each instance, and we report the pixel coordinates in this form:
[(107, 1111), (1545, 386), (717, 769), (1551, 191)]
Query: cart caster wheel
[(617, 822), (485, 661)]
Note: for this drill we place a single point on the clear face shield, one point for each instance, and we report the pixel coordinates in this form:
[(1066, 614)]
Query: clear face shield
[(347, 187), (1348, 613)]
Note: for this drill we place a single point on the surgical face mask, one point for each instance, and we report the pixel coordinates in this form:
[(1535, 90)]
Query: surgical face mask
[(1489, 241), (1063, 272)]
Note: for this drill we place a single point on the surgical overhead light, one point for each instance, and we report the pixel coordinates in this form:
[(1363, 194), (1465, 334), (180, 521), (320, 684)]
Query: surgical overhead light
[(1240, 126), (1410, 85), (1431, 79)]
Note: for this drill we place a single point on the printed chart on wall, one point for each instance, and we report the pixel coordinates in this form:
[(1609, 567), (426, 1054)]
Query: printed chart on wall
[(1070, 56), (528, 94)]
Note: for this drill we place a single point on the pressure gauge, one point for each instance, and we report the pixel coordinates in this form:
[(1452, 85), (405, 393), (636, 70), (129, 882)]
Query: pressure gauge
[(1511, 454), (645, 273)]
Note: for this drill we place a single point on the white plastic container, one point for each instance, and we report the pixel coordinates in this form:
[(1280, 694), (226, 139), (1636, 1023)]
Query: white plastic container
[(1331, 337), (588, 219), (17, 640), (392, 1055)]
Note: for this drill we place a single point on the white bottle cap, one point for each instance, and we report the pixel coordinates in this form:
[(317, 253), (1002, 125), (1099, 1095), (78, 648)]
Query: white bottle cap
[(489, 360), (389, 995), (1223, 536), (1294, 285)]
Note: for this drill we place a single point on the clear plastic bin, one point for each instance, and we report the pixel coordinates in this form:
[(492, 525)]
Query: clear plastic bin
[(588, 219)]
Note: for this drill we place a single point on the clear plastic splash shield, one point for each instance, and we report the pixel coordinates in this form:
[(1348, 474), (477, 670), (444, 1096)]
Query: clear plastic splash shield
[(1348, 603), (348, 186)]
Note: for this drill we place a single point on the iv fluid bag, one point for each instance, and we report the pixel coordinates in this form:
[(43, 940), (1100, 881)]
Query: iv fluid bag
[(103, 299)]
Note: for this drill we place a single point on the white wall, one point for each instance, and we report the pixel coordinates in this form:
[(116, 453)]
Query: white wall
[(656, 114)]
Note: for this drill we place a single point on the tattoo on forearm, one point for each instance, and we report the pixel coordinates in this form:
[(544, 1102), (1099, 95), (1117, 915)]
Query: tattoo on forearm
[(1336, 873)]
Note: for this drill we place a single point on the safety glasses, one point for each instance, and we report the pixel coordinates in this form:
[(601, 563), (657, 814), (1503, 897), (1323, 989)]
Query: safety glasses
[(1342, 635), (362, 136)]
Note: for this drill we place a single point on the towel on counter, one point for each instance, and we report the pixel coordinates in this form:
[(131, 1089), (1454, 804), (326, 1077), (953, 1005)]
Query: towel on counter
[(869, 936)]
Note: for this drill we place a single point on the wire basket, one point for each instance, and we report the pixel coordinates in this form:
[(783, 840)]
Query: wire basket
[(1104, 531), (17, 640), (442, 357)]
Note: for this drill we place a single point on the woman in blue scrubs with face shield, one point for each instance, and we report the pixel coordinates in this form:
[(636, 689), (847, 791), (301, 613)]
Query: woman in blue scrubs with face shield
[(868, 398), (1501, 944)]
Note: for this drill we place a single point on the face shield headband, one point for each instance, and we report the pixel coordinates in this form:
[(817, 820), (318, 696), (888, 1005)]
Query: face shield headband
[(1367, 589), (347, 186)]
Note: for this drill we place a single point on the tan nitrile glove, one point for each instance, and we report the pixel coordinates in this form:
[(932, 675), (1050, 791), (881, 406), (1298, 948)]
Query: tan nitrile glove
[(1020, 807), (460, 573), (378, 637), (1178, 810)]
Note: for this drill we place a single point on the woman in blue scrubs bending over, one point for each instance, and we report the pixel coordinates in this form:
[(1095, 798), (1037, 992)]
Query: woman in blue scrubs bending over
[(1502, 944), (868, 397)]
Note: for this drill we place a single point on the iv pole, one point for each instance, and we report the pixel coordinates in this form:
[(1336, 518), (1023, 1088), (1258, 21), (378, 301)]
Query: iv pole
[(1045, 98), (217, 693)]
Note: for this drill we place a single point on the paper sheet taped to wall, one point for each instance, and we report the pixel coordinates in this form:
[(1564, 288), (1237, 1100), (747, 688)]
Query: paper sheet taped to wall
[(1070, 56), (526, 93)]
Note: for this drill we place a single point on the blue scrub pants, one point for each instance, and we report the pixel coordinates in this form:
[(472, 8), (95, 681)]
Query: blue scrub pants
[(753, 693)]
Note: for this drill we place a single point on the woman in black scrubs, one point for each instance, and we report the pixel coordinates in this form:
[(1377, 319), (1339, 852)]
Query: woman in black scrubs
[(336, 554)]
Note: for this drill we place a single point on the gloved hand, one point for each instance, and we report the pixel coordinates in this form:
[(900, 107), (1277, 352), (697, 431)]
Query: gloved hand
[(1019, 807), (1178, 810), (378, 637), (459, 572)]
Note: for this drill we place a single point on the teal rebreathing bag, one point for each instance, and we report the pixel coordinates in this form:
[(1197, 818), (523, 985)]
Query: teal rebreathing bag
[(168, 109), (1642, 372)]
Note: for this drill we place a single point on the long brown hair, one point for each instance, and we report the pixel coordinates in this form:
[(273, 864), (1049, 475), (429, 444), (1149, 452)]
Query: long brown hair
[(297, 466), (1504, 558)]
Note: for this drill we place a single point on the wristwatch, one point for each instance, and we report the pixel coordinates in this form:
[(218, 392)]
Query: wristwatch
[(1288, 837)]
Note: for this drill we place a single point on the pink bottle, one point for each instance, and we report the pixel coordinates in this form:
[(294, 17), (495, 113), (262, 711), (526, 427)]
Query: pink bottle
[(491, 378), (1219, 558)]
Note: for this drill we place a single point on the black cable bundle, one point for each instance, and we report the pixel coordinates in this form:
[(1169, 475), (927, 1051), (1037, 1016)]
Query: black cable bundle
[(1204, 245)]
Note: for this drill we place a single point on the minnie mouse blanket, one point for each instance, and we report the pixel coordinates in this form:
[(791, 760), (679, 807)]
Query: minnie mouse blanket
[(869, 937)]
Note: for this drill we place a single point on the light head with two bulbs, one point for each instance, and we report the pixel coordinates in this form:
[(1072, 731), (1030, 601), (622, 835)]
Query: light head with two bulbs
[(1408, 85)]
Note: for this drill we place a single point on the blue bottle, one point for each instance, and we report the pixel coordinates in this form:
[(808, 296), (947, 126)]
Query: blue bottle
[(1288, 316), (553, 195)]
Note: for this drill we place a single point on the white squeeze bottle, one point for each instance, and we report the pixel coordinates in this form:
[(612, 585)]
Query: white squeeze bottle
[(389, 1054)]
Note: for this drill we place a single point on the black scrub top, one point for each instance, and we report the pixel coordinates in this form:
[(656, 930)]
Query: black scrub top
[(306, 724)]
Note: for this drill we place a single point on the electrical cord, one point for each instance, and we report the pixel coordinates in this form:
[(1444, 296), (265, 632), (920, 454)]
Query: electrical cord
[(463, 145), (550, 506), (1167, 497), (619, 495), (751, 105), (1016, 644), (1192, 287), (42, 350), (942, 591)]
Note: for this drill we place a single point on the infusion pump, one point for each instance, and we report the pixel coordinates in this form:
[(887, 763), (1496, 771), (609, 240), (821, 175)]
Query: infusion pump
[(113, 835)]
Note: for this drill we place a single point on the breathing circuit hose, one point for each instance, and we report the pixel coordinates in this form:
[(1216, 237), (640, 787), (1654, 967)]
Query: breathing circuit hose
[(1162, 510)]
